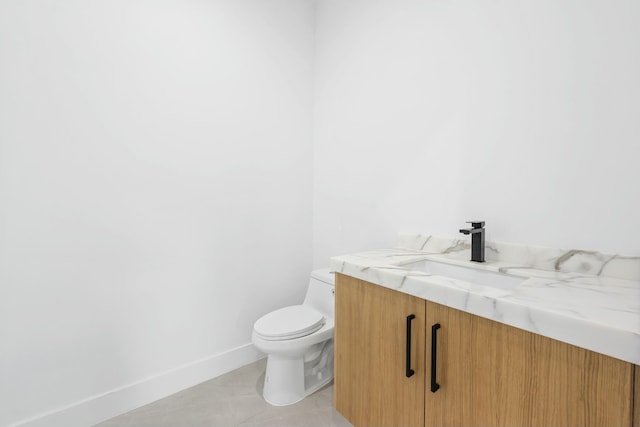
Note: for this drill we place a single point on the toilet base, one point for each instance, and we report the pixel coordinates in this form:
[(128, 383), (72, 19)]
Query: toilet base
[(289, 379)]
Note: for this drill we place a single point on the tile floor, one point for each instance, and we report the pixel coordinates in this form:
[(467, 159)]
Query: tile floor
[(233, 400)]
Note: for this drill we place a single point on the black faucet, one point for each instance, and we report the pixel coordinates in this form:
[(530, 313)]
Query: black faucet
[(477, 239)]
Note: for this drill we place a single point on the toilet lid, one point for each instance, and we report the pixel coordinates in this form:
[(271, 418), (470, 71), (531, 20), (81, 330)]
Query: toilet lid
[(290, 322)]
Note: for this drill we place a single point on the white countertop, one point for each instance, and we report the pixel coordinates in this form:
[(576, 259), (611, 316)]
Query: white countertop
[(584, 298)]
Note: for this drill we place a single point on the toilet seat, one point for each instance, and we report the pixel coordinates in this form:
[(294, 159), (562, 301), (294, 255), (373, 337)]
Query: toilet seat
[(288, 323)]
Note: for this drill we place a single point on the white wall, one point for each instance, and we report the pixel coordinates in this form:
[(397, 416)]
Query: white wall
[(521, 113), (155, 188)]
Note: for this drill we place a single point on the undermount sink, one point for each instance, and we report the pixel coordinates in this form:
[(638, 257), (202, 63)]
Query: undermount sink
[(479, 277)]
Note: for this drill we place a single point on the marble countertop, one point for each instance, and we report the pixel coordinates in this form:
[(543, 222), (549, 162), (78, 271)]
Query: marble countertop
[(585, 298)]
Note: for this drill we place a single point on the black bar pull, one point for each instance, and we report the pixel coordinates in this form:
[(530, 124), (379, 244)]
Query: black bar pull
[(434, 351), (410, 371)]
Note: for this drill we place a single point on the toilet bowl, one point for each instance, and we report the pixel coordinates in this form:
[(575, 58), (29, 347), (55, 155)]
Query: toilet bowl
[(298, 341)]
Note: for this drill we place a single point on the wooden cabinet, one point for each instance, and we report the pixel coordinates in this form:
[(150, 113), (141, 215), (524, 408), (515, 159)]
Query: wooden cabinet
[(371, 387), (636, 399), (489, 374)]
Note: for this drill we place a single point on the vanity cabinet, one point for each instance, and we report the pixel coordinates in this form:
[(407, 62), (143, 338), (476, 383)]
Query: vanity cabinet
[(486, 373)]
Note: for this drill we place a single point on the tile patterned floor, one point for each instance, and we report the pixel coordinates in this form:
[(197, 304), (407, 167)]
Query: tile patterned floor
[(233, 400)]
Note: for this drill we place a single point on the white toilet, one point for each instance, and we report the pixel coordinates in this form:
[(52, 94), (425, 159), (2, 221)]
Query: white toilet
[(299, 343)]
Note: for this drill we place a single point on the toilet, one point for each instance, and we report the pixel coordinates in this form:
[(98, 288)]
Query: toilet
[(298, 341)]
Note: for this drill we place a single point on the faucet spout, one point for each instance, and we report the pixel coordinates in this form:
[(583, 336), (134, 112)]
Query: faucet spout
[(471, 230), (477, 240)]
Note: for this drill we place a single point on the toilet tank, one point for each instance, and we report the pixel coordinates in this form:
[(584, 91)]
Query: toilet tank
[(320, 293)]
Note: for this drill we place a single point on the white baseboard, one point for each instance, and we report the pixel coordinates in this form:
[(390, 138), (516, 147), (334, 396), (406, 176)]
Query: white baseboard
[(95, 409)]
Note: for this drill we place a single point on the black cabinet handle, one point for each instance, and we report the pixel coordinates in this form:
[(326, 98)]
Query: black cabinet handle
[(434, 351), (410, 371)]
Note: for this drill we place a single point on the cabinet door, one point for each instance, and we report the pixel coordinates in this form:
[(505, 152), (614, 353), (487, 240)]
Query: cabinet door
[(371, 383), (491, 374), (636, 398)]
